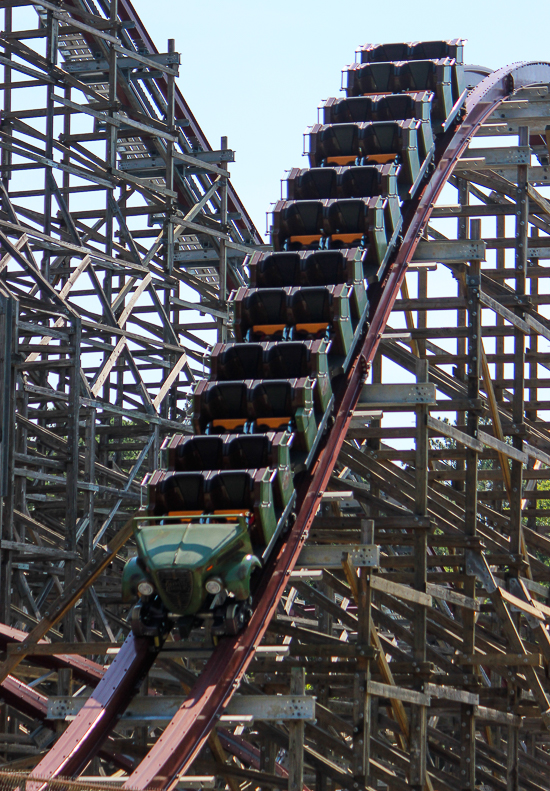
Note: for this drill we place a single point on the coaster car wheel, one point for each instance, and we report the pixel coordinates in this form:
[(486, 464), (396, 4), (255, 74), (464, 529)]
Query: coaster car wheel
[(232, 619), (150, 618)]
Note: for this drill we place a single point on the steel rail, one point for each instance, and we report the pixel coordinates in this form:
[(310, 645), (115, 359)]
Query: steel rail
[(20, 696), (34, 704), (186, 734), (87, 732)]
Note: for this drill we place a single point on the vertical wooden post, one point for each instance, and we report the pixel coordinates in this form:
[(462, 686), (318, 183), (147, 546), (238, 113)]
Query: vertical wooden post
[(8, 344), (222, 323), (361, 697), (296, 729), (518, 426), (474, 371), (419, 723)]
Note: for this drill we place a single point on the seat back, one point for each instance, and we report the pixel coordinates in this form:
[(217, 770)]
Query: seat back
[(413, 50), (397, 107), (310, 304), (421, 50), (381, 137), (218, 401), (324, 268), (231, 490), (196, 454), (372, 78), (356, 182), (371, 53), (263, 306), (280, 269), (237, 361), (249, 451), (288, 360), (419, 75), (333, 140), (347, 216), (182, 491), (314, 183), (301, 217), (271, 399), (356, 109)]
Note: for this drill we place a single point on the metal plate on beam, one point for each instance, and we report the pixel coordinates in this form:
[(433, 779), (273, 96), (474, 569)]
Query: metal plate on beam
[(273, 708), (450, 251), (495, 157), (330, 556), (397, 395), (153, 710)]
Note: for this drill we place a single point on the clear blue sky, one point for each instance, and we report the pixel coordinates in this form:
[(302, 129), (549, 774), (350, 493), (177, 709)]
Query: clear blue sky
[(256, 71)]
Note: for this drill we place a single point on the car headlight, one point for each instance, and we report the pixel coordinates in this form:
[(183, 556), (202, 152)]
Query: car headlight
[(214, 585), (145, 588)]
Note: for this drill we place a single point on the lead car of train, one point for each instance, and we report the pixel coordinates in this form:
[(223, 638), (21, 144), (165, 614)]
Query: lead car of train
[(227, 493)]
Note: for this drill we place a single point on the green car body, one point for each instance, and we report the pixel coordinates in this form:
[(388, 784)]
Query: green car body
[(179, 553), (179, 558)]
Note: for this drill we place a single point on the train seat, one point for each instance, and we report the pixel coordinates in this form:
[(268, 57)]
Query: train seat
[(413, 50), (372, 53), (276, 404), (236, 361), (277, 270), (312, 184), (260, 313), (439, 76), (193, 454), (366, 218), (400, 139), (256, 451), (352, 110), (296, 359), (235, 491), (219, 407), (315, 307), (379, 77), (324, 268), (297, 225), (180, 494), (333, 144)]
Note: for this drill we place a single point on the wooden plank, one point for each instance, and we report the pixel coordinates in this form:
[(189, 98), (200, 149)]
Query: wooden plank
[(483, 439), (509, 598), (536, 453), (537, 326), (109, 365), (383, 665), (72, 592), (451, 596), (134, 298), (494, 715), (400, 591), (505, 313), (454, 433), (450, 693), (54, 649), (533, 660), (502, 447), (397, 693), (169, 381)]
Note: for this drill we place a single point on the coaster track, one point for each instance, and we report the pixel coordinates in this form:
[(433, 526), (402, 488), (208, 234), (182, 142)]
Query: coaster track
[(186, 734)]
